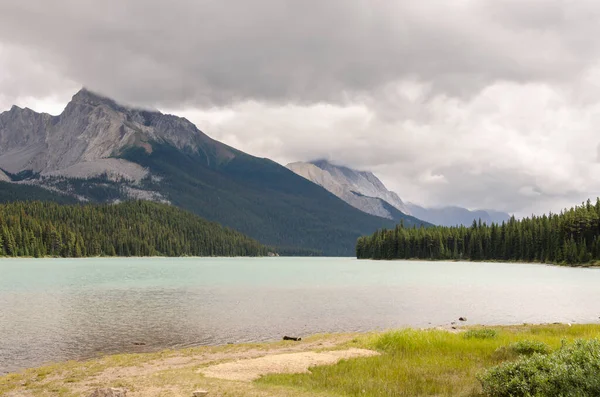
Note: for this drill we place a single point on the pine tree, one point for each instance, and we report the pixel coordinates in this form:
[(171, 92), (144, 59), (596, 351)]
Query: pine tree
[(134, 228), (572, 237)]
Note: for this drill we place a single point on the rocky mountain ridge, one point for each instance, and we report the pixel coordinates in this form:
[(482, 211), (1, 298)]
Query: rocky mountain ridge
[(346, 186), (89, 134)]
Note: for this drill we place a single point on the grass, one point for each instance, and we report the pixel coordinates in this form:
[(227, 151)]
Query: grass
[(482, 333), (412, 363), (430, 362)]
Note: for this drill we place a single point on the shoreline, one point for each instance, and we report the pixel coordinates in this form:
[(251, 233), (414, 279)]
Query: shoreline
[(235, 368), (582, 266), (456, 326), (576, 266)]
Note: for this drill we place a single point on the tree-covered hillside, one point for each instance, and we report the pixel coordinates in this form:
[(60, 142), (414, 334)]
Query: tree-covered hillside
[(259, 198), (10, 192), (129, 229), (571, 237)]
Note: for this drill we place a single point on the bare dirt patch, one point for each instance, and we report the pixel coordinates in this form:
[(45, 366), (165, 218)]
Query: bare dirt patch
[(165, 374), (251, 369), (205, 356)]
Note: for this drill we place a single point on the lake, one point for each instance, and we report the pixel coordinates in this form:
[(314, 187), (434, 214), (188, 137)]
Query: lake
[(58, 309)]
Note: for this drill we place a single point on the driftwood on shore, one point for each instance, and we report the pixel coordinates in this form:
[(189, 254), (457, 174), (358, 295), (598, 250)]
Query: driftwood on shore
[(292, 338)]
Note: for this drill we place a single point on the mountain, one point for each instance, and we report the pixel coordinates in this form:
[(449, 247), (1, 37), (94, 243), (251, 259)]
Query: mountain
[(453, 216), (498, 216), (100, 151), (87, 138), (360, 189), (364, 191)]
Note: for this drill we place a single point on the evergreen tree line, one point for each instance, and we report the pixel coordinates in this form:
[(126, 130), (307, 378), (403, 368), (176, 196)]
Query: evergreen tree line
[(571, 237), (137, 228)]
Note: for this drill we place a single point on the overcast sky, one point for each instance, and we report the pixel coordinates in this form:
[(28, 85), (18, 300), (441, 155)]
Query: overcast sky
[(482, 103)]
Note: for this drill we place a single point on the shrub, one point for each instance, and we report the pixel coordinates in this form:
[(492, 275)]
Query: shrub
[(521, 348), (529, 347), (570, 371), (484, 333)]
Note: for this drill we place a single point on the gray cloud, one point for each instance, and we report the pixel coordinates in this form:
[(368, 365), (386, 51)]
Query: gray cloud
[(519, 148), (201, 52), (481, 103)]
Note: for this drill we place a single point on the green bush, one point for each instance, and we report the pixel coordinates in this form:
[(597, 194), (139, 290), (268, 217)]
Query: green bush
[(484, 333), (529, 347), (573, 370), (518, 349)]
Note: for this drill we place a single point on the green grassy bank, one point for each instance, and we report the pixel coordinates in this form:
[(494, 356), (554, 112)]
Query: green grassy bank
[(430, 362), (411, 363)]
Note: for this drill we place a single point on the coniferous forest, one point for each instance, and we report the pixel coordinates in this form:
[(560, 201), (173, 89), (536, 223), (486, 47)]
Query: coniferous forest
[(138, 228), (571, 237)]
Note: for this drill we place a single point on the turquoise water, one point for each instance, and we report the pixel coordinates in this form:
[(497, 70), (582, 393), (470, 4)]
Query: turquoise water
[(58, 309)]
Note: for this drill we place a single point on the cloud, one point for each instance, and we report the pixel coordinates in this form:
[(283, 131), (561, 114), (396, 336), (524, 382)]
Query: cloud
[(480, 103), (220, 52), (514, 147), (27, 81)]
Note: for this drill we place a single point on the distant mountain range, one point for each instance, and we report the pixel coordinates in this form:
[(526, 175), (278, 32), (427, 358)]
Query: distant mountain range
[(364, 191), (100, 151), (452, 216)]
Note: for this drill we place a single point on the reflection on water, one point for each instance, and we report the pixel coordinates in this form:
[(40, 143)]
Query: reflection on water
[(52, 310)]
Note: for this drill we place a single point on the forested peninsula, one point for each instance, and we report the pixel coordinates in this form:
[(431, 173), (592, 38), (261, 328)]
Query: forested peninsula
[(138, 228), (571, 237)]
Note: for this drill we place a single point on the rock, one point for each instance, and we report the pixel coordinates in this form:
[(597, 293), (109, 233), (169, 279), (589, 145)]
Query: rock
[(139, 343), (462, 319), (292, 338), (453, 327), (109, 392), (200, 393), (453, 322)]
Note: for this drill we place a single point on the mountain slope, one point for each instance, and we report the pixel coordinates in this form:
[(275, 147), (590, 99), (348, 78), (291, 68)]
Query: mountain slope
[(257, 197), (4, 177), (98, 150), (10, 192), (362, 190)]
